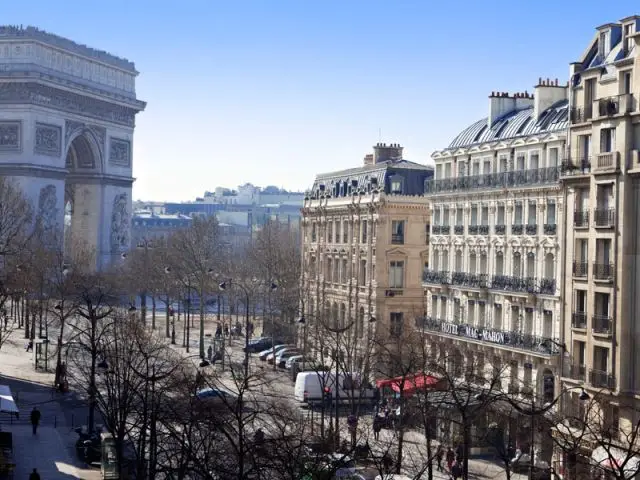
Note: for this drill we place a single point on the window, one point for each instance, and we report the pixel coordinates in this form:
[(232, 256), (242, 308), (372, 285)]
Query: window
[(397, 232), (396, 185), (551, 212), (607, 139), (313, 231), (500, 220), (329, 271), (343, 271), (445, 216), (436, 217), (628, 41), (517, 214), (474, 215), (312, 266), (396, 274), (602, 43), (532, 214), (364, 231), (396, 324), (553, 157), (363, 272), (626, 82), (345, 232), (459, 217), (534, 161), (329, 232), (485, 215), (338, 231)]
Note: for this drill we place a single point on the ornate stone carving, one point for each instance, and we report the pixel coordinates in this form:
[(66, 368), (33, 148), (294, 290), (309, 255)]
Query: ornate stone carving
[(36, 94), (70, 127), (100, 133), (120, 223), (10, 136), (48, 140), (47, 208)]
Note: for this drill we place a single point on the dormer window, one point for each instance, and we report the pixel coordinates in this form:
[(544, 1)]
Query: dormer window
[(602, 45), (628, 41), (396, 184)]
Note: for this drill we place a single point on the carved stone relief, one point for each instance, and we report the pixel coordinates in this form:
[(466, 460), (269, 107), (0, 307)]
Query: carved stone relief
[(70, 127), (10, 136), (48, 140), (120, 223), (47, 208)]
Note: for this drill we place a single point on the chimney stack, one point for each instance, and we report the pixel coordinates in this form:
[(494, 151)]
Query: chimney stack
[(547, 93), (368, 159), (384, 153)]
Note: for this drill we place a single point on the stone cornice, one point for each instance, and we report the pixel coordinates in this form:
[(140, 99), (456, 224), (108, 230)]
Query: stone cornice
[(493, 194), (28, 170), (102, 179), (33, 93)]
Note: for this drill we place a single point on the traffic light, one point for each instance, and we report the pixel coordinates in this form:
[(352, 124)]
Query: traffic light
[(327, 395)]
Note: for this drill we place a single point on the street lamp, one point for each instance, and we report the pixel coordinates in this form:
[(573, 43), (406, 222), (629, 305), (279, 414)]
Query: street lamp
[(338, 332)]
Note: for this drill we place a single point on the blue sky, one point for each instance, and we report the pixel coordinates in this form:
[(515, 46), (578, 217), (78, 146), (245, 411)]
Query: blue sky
[(272, 92)]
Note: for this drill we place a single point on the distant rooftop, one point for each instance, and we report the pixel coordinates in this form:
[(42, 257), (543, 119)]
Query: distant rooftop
[(33, 33)]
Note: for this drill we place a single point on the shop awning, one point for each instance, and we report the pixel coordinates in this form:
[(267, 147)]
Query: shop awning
[(616, 459), (408, 384), (7, 404)]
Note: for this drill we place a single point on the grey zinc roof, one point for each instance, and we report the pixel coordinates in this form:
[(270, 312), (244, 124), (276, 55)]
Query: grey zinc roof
[(518, 123)]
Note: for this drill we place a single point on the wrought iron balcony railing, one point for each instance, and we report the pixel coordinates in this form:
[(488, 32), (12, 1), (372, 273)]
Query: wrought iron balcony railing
[(473, 280), (602, 379), (510, 339), (440, 229), (397, 239), (514, 284), (550, 228), (604, 217), (458, 278), (578, 371), (473, 229), (581, 114), (548, 286), (500, 229), (603, 271), (458, 229), (483, 229), (494, 180), (577, 166), (517, 229), (532, 229), (581, 218), (580, 269), (439, 277), (579, 320), (601, 324)]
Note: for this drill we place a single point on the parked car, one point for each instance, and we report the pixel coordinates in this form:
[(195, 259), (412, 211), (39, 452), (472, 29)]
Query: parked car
[(271, 359), (521, 463), (293, 359), (258, 345), (218, 398), (265, 353), (284, 355)]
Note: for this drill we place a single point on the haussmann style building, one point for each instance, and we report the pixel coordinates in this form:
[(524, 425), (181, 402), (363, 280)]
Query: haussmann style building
[(365, 242)]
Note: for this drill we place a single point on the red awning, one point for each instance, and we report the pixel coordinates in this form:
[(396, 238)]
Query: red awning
[(409, 384)]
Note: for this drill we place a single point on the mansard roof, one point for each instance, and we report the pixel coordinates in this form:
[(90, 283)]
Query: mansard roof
[(517, 123)]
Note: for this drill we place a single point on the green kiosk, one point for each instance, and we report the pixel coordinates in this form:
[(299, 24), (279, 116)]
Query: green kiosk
[(109, 460)]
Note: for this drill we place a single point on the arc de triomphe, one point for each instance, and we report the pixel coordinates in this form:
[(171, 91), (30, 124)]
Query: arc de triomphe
[(67, 116)]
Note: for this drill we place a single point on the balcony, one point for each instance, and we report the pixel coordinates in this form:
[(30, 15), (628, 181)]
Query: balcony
[(601, 324), (581, 219), (581, 114), (532, 229), (500, 229), (606, 162), (580, 269), (483, 229), (616, 105), (494, 180), (573, 167), (603, 271), (517, 229), (458, 278), (440, 229), (514, 284), (578, 372), (458, 229), (602, 379), (509, 339), (579, 320), (604, 217), (548, 286), (473, 229), (550, 228), (438, 277), (397, 239)]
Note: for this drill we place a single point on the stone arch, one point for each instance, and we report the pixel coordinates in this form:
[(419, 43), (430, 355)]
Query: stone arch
[(84, 150)]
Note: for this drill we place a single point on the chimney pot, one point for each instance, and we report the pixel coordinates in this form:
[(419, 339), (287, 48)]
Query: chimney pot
[(539, 80)]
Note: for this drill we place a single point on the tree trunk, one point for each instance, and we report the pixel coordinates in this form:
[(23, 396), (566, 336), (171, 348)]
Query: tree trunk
[(400, 446), (201, 338), (429, 453), (143, 307), (166, 325), (153, 312), (466, 448)]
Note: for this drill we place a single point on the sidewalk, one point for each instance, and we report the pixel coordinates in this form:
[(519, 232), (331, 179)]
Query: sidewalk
[(52, 450)]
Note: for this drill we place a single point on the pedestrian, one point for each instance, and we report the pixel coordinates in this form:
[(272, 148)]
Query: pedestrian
[(456, 471), (377, 426), (439, 456), (35, 419), (451, 456), (210, 352), (218, 331), (459, 453), (34, 475), (226, 330)]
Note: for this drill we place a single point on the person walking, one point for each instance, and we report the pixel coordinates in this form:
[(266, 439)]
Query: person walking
[(451, 456), (35, 419), (377, 426), (439, 457), (456, 471), (34, 475)]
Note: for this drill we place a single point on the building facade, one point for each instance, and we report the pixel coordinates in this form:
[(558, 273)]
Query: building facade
[(602, 183), (491, 290), (365, 242)]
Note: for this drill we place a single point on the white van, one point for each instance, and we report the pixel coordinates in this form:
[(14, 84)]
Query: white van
[(310, 387)]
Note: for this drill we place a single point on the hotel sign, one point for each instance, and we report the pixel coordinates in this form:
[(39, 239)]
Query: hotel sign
[(483, 334)]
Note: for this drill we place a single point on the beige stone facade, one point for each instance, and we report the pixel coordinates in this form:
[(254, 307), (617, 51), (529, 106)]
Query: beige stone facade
[(602, 188), (365, 244)]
